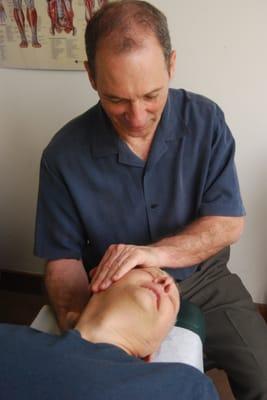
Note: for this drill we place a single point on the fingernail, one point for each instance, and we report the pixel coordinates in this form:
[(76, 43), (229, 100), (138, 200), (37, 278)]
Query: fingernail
[(104, 285), (94, 288)]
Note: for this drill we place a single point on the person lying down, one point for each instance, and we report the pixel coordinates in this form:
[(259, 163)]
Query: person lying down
[(106, 355)]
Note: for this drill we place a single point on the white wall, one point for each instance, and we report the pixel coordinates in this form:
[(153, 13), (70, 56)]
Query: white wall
[(222, 53)]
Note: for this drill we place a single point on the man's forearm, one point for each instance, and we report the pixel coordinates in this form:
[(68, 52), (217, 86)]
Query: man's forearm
[(196, 243), (199, 241), (67, 287)]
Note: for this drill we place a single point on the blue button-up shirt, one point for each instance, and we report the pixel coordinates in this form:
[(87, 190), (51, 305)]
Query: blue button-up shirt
[(94, 191)]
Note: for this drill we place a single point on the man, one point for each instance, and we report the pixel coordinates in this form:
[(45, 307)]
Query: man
[(147, 177), (104, 357)]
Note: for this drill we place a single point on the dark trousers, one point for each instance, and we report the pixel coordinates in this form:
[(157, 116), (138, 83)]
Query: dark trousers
[(236, 338)]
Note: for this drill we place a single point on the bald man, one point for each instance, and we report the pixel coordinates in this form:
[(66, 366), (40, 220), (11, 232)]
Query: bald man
[(147, 177)]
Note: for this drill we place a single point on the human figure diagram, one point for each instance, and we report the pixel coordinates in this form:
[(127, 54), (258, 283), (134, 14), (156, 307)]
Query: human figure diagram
[(2, 13), (31, 15), (60, 12), (90, 7), (61, 15)]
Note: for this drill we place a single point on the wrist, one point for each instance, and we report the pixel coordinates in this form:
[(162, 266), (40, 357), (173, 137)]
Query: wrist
[(161, 253)]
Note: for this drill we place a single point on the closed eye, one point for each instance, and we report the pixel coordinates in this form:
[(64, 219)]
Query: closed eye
[(115, 100), (151, 97)]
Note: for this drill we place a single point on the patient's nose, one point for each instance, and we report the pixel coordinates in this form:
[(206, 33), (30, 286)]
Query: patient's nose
[(165, 282)]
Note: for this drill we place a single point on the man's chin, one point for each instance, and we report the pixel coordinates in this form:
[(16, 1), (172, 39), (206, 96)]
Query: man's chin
[(139, 133), (125, 131)]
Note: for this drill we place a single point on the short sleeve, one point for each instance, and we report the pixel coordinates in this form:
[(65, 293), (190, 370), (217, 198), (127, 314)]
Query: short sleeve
[(221, 194), (58, 229)]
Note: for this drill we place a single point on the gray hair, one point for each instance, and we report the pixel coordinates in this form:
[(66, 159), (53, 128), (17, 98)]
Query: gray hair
[(123, 20)]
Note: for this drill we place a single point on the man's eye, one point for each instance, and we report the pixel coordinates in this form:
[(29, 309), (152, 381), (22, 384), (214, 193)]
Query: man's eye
[(151, 97), (115, 100)]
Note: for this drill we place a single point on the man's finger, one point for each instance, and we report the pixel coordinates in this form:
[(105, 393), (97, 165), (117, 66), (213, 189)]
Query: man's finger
[(99, 279), (109, 255), (112, 254), (130, 257), (116, 265), (92, 272), (119, 270), (129, 263), (103, 271)]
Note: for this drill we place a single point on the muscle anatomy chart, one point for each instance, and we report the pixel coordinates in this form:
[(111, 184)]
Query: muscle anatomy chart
[(44, 34)]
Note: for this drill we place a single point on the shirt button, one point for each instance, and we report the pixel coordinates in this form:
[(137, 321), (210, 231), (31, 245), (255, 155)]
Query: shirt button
[(154, 206)]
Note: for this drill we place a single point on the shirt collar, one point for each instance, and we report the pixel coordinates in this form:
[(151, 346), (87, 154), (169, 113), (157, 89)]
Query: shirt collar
[(105, 139), (172, 124), (171, 127)]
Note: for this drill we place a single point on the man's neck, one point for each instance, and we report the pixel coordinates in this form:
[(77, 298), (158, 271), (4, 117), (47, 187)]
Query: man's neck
[(140, 146)]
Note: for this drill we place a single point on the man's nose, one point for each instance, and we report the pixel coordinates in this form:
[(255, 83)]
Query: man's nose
[(136, 114)]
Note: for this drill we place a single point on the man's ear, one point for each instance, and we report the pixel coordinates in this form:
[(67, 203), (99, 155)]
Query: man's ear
[(172, 64), (90, 75)]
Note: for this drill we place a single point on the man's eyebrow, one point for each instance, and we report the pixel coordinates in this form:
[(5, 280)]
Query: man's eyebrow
[(153, 91), (114, 96)]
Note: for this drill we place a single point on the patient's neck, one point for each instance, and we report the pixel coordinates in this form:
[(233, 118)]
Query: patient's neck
[(98, 327)]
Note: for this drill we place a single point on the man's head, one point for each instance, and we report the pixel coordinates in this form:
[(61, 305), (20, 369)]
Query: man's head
[(123, 24), (130, 63), (135, 313)]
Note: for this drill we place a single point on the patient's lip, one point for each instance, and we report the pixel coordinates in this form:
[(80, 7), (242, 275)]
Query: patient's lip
[(156, 290)]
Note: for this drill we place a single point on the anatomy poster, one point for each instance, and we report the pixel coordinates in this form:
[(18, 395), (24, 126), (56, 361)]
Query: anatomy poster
[(44, 34)]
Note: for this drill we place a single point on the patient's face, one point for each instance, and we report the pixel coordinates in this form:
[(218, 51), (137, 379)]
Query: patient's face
[(145, 301)]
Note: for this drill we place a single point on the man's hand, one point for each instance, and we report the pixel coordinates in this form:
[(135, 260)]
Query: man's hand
[(120, 259), (200, 240), (68, 291)]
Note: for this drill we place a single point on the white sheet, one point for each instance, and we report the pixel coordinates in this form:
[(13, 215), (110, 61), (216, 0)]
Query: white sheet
[(181, 345)]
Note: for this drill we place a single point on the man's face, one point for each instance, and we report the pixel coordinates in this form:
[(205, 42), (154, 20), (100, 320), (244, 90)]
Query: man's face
[(133, 87), (144, 302)]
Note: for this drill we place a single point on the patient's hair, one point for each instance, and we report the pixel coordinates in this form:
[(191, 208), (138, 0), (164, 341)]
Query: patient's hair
[(124, 21)]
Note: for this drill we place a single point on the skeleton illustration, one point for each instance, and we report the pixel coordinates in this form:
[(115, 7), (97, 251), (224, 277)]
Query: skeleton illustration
[(20, 21), (61, 15)]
